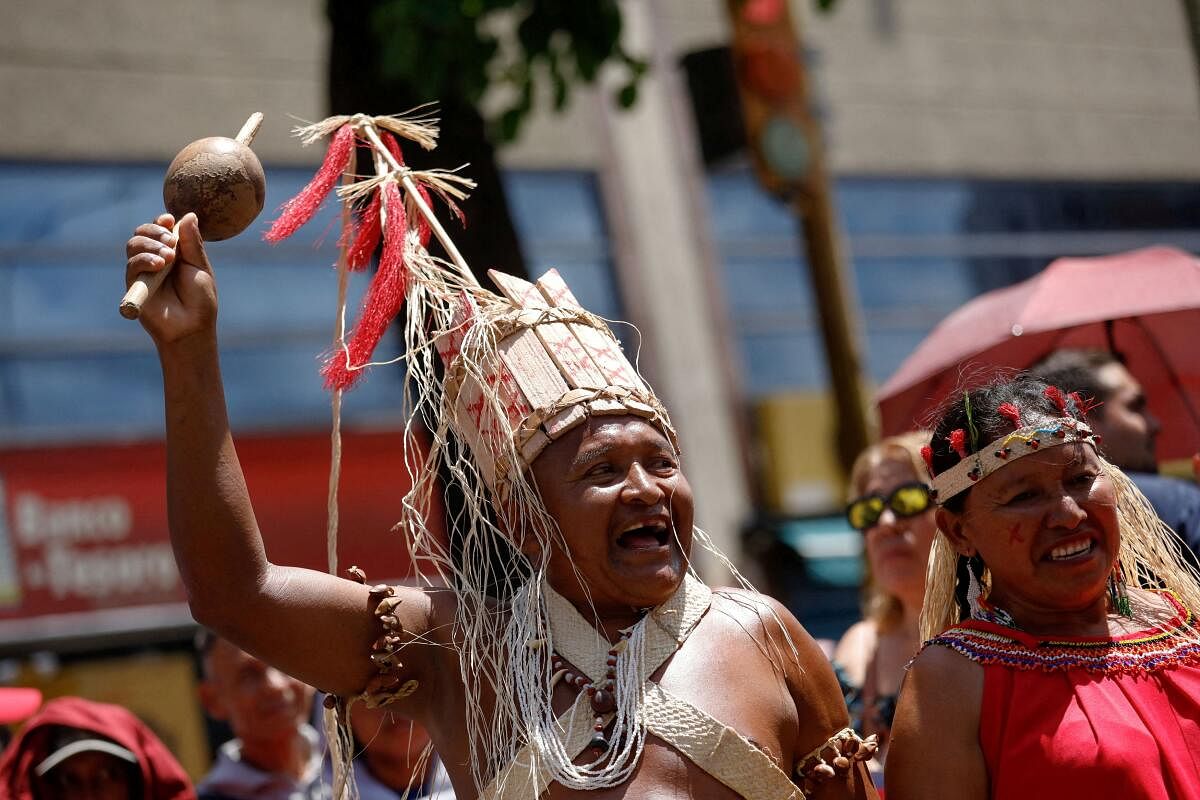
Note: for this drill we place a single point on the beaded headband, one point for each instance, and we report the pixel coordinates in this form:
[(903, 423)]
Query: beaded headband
[(1006, 449)]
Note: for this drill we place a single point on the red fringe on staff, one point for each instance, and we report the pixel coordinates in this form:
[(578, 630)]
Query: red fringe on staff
[(384, 297), (366, 237), (393, 147), (301, 208)]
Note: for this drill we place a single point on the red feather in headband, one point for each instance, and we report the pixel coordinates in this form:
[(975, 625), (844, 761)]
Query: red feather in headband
[(1011, 413), (1085, 405), (927, 456), (1056, 396), (958, 441)]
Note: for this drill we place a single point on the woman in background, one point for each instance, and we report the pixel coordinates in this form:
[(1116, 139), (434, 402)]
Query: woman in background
[(893, 510)]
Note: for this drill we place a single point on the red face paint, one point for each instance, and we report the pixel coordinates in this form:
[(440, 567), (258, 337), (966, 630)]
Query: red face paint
[(1014, 534)]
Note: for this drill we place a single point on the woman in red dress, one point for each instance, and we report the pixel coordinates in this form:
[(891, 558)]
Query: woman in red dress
[(1064, 660)]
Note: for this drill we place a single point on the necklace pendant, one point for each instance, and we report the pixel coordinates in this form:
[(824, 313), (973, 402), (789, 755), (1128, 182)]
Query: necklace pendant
[(598, 740), (603, 702)]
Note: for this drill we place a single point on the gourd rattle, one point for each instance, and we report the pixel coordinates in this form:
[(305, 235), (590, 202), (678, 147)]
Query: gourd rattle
[(222, 181)]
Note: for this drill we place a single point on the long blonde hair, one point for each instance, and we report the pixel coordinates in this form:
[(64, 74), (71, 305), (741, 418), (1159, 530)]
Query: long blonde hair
[(884, 609)]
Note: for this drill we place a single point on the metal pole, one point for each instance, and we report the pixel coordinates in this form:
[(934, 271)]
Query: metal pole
[(1191, 13), (785, 141), (818, 221)]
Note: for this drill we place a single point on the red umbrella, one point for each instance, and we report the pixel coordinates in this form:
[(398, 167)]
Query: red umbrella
[(1145, 304)]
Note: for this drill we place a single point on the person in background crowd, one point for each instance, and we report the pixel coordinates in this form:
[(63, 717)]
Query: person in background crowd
[(17, 704), (76, 749), (1051, 670), (1127, 431), (892, 509), (276, 754), (393, 757)]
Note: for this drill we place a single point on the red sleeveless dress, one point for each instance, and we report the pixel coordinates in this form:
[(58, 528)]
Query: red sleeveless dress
[(1087, 718)]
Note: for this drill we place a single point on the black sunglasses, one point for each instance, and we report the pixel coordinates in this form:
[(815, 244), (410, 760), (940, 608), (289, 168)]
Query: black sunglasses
[(906, 500)]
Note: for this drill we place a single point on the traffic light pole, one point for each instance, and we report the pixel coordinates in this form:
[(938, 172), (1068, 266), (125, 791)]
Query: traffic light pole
[(786, 144), (818, 221)]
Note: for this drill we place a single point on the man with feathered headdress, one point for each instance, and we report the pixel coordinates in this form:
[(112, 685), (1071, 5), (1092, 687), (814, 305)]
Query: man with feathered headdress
[(568, 646)]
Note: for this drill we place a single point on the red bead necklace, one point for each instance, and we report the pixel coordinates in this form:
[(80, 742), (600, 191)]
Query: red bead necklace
[(603, 697)]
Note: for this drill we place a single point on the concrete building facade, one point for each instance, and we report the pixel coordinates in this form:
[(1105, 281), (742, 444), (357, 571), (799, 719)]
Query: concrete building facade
[(1082, 89), (972, 141)]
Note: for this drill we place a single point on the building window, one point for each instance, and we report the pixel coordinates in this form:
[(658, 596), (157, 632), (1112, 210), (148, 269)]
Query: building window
[(71, 369)]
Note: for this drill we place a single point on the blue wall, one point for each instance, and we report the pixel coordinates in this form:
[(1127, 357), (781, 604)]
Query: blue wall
[(918, 250), (72, 369)]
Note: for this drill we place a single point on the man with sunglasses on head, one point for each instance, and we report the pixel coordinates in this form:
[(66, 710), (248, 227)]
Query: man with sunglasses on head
[(891, 507)]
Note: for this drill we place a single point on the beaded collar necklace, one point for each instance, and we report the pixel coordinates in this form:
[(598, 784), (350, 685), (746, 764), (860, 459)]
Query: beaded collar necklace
[(612, 676)]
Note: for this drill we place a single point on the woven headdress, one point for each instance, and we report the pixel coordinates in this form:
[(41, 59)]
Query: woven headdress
[(1150, 552), (528, 372), (496, 378)]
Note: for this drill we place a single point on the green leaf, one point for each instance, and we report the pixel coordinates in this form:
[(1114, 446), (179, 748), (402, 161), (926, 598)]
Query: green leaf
[(636, 66), (534, 35), (510, 124), (526, 103), (587, 63), (627, 95), (441, 49), (562, 93)]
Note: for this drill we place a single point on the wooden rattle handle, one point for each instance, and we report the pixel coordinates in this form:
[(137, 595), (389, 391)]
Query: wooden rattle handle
[(250, 129), (148, 282)]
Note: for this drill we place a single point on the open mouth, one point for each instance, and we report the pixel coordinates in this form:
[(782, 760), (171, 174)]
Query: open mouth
[(1071, 550), (645, 537)]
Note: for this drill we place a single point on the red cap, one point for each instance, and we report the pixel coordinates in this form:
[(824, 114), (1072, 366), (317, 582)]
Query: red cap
[(18, 703)]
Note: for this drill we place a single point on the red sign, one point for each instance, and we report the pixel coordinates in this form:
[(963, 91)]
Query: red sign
[(84, 546)]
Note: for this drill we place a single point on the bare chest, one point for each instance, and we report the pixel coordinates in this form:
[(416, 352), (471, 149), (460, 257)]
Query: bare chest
[(662, 774), (721, 671), (727, 678)]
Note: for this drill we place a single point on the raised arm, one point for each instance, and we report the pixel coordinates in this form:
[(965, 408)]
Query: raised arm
[(312, 625), (934, 752)]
